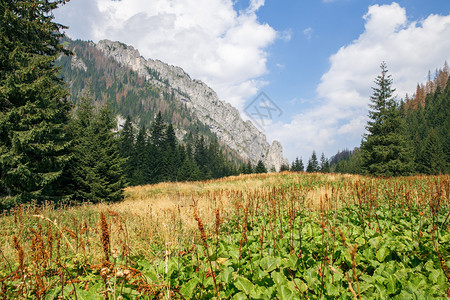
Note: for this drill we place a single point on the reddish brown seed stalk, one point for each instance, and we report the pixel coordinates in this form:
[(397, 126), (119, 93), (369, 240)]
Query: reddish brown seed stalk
[(20, 253), (105, 236), (201, 228)]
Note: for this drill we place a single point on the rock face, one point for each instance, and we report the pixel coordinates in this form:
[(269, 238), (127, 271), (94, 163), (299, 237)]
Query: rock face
[(222, 119)]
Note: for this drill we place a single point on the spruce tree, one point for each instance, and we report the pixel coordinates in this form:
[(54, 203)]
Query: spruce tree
[(34, 110), (384, 148), (260, 167), (170, 157), (284, 167), (126, 147), (324, 164), (248, 168), (433, 158), (297, 165), (140, 159), (97, 165), (313, 164)]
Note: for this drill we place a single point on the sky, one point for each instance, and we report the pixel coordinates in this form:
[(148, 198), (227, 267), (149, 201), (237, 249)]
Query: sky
[(308, 64)]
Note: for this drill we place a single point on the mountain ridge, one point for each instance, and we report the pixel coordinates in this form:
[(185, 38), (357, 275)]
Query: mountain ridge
[(199, 99)]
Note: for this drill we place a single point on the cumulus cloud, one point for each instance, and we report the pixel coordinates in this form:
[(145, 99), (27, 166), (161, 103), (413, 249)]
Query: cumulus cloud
[(410, 49), (209, 39)]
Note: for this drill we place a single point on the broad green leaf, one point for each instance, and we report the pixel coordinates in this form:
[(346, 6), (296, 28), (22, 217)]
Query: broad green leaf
[(239, 296), (445, 238), (188, 288), (234, 253), (291, 262), (367, 278), (284, 293), (279, 278), (244, 285), (391, 284), (382, 253), (364, 286), (260, 275), (301, 285), (331, 289), (429, 265), (226, 275), (437, 276), (376, 242), (360, 241), (269, 263)]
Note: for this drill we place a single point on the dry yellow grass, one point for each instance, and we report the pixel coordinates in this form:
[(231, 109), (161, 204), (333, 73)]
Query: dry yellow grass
[(160, 214)]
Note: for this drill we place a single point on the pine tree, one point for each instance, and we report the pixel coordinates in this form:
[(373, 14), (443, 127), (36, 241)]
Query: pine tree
[(284, 167), (34, 111), (313, 164), (384, 148), (260, 168), (97, 165), (157, 132), (248, 168), (433, 158), (126, 147), (297, 165), (324, 164), (201, 158), (140, 158), (170, 158)]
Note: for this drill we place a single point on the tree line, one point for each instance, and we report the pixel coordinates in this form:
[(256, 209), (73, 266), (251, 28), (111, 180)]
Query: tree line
[(155, 155), (406, 137)]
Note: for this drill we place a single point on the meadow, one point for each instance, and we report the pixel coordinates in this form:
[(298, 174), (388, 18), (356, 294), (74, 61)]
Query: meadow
[(259, 236)]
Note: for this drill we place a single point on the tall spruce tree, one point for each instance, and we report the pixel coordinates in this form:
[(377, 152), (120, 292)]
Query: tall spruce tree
[(34, 111), (384, 148), (324, 164), (140, 159), (126, 147), (297, 165), (260, 167), (97, 165), (313, 164)]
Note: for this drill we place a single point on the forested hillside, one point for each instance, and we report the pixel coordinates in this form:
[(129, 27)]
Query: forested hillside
[(425, 126), (126, 93)]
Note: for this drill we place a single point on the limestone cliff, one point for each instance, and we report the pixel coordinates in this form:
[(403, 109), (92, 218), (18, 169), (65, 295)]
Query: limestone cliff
[(222, 119)]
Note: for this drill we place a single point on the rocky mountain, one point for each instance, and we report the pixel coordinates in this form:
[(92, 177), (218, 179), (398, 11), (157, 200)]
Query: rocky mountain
[(135, 86)]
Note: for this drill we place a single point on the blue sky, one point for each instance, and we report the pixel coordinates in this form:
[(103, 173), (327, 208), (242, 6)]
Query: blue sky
[(316, 59)]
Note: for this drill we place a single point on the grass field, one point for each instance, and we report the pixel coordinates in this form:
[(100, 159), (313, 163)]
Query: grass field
[(268, 236)]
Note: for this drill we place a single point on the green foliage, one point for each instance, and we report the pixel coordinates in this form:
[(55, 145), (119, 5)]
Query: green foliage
[(34, 147), (324, 164), (428, 128), (97, 166), (260, 168), (313, 164), (351, 164), (384, 149), (284, 168), (157, 156), (297, 165)]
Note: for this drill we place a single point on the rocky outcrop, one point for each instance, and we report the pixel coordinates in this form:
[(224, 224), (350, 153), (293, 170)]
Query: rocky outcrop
[(222, 118)]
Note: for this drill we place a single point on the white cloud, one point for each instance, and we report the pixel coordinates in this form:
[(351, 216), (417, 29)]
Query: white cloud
[(308, 32), (207, 38), (255, 5), (338, 119), (285, 35)]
